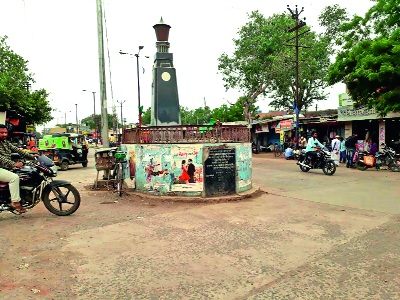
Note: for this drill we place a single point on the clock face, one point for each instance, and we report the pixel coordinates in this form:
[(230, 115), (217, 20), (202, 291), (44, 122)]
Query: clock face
[(165, 76)]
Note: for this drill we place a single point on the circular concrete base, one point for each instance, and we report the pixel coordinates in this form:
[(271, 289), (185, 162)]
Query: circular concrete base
[(254, 192)]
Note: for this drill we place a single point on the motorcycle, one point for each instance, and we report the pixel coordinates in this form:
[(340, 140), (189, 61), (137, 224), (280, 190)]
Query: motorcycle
[(385, 158), (254, 148), (37, 184), (322, 161)]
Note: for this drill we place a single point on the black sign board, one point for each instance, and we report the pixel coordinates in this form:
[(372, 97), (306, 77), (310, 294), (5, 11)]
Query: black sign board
[(220, 172)]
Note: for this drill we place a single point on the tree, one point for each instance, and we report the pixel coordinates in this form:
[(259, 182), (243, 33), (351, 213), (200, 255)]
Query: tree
[(146, 117), (369, 62), (234, 112), (89, 121), (262, 63), (15, 82), (331, 19)]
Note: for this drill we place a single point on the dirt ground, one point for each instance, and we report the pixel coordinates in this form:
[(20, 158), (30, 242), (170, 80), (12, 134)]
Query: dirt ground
[(275, 246)]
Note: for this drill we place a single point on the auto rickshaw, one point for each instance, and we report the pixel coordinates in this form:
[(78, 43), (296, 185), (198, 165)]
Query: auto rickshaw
[(65, 149)]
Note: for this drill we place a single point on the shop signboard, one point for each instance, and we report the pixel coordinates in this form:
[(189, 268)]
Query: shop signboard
[(286, 124), (345, 100)]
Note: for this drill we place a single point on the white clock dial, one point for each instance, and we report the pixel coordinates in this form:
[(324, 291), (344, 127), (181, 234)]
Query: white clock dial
[(165, 76)]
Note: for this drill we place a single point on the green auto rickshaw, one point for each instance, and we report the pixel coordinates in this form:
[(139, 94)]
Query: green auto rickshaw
[(65, 149)]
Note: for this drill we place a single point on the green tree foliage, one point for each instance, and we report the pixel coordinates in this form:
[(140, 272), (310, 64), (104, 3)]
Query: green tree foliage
[(230, 112), (331, 19), (90, 121), (234, 111), (369, 61), (15, 93), (146, 117), (200, 115), (263, 63)]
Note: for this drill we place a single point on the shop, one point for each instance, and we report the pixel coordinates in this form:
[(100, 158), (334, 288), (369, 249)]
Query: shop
[(367, 129), (369, 125), (392, 133)]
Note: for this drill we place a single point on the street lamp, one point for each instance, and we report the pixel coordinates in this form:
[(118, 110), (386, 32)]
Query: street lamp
[(94, 113), (138, 81), (138, 85)]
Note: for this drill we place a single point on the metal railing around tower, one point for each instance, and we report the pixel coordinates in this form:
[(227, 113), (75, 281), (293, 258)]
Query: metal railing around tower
[(187, 134)]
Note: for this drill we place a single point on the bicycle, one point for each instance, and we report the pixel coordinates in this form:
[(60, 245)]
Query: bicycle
[(278, 150), (118, 171)]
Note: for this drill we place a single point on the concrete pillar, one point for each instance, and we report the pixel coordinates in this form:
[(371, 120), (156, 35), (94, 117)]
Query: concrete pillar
[(382, 137)]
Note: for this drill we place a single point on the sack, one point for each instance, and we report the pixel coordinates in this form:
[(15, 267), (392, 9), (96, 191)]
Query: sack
[(369, 160)]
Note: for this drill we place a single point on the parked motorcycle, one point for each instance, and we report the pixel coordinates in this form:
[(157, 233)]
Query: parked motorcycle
[(37, 184), (254, 148), (385, 158), (322, 161)]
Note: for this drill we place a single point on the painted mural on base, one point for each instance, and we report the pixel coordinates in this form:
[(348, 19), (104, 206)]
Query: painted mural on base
[(170, 168)]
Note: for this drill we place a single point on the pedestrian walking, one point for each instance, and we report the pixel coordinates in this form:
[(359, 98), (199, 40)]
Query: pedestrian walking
[(335, 152), (342, 150)]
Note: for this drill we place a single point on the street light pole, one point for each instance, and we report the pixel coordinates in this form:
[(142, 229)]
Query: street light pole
[(122, 120), (65, 121), (138, 84), (138, 81), (76, 115), (94, 114)]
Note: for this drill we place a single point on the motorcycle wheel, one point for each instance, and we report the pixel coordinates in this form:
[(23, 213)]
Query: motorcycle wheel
[(304, 169), (394, 166), (329, 168), (59, 198), (361, 167), (84, 164), (64, 166)]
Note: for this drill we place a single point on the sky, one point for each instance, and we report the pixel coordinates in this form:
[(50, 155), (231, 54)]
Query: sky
[(59, 39)]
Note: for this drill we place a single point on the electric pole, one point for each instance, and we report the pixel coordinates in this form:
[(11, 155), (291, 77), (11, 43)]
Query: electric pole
[(122, 120), (102, 75), (299, 23)]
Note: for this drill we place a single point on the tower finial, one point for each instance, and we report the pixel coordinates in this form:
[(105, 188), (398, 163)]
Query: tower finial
[(161, 21)]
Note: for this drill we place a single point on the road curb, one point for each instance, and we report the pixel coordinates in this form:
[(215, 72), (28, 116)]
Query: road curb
[(254, 192)]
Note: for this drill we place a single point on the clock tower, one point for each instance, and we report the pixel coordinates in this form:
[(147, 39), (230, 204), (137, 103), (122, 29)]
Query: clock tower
[(165, 101)]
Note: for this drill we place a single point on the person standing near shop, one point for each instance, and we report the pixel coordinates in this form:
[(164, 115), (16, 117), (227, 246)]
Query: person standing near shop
[(342, 150), (302, 142), (350, 144), (335, 152)]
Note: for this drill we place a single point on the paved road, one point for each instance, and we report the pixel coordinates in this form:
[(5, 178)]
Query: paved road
[(301, 240), (370, 190)]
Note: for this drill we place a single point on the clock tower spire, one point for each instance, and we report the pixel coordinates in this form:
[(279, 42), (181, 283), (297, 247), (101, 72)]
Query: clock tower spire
[(165, 101)]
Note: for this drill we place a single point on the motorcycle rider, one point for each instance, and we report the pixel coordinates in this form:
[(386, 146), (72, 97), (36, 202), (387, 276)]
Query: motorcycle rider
[(6, 164), (310, 149)]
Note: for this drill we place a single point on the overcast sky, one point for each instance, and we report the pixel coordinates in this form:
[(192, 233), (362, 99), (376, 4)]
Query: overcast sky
[(59, 39)]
